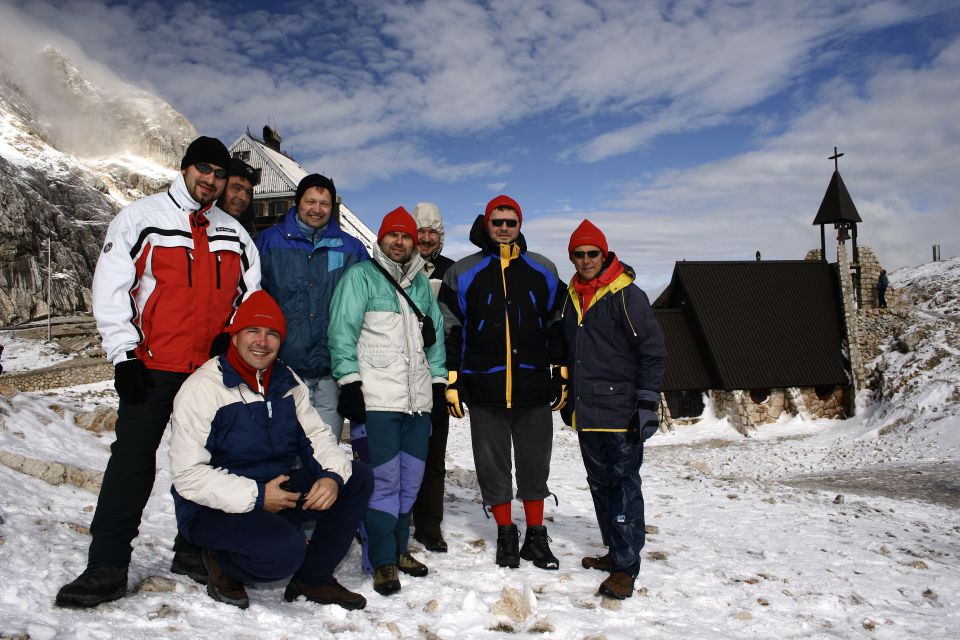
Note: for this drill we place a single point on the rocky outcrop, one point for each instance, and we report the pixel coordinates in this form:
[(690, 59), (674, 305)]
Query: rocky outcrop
[(72, 152)]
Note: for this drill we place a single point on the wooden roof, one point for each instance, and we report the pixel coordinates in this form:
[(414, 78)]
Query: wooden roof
[(837, 205), (279, 176), (752, 325)]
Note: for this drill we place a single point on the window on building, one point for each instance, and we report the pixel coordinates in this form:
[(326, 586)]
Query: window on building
[(824, 391), (278, 207), (242, 155), (685, 404), (759, 396)]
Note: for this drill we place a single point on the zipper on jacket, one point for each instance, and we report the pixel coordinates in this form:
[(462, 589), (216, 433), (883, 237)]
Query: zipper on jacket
[(189, 255), (218, 269)]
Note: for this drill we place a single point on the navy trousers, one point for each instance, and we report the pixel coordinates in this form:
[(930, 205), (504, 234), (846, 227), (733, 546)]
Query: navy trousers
[(613, 474), (259, 546)]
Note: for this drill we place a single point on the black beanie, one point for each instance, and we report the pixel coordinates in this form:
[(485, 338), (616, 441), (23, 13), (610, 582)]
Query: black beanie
[(240, 168), (317, 180), (205, 149)]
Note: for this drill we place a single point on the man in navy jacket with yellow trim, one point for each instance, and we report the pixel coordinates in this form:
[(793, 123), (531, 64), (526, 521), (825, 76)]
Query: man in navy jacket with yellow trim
[(616, 356)]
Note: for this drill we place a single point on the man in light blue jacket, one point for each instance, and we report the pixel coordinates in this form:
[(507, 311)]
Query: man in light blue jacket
[(303, 258), (386, 348)]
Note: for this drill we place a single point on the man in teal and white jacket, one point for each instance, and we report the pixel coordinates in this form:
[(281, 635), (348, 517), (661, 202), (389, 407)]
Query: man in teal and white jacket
[(389, 362)]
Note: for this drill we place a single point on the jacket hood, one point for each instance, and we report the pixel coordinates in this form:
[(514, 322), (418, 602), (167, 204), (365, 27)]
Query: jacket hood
[(479, 237), (427, 216), (290, 226)]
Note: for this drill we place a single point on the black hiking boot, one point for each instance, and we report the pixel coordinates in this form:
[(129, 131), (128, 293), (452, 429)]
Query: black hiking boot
[(97, 584), (190, 564), (537, 550), (431, 541), (508, 546)]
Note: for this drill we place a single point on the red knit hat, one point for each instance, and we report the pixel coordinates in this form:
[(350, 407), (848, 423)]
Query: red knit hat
[(587, 233), (502, 201), (398, 220), (259, 310)]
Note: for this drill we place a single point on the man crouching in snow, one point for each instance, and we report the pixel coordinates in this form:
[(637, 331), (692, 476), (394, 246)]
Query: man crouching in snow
[(239, 424)]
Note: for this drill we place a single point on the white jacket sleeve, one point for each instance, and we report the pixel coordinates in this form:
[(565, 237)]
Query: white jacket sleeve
[(113, 282), (250, 279), (326, 450), (193, 477)]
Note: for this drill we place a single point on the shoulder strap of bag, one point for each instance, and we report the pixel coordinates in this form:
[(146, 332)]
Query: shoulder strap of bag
[(413, 307)]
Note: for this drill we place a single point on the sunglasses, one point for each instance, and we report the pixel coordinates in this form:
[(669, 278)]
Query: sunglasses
[(592, 253), (205, 169), (499, 222)]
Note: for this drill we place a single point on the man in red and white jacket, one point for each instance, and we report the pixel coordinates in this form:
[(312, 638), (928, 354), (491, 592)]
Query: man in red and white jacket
[(172, 271)]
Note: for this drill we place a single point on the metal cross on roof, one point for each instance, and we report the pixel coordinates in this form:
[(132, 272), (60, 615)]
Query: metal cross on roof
[(834, 157)]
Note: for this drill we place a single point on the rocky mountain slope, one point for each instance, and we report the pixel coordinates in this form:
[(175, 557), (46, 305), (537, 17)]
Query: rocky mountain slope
[(72, 152)]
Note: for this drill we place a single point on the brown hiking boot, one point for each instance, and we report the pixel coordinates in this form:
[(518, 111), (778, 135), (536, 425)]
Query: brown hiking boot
[(220, 586), (411, 566), (386, 580), (618, 585), (601, 563), (331, 593)]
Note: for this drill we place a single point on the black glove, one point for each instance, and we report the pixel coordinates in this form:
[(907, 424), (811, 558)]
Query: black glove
[(131, 379), (644, 421), (220, 344), (351, 405), (558, 384), (452, 396), (439, 394)]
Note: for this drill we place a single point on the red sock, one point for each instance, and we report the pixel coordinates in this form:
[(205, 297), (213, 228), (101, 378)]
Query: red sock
[(534, 512), (501, 513)]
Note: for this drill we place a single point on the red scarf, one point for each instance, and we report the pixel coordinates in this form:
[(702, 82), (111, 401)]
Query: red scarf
[(587, 289), (248, 373)]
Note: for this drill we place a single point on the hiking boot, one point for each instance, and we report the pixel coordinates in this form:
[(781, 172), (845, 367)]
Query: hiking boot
[(618, 585), (220, 586), (536, 549), (411, 566), (431, 541), (97, 584), (331, 593), (190, 564), (386, 580), (600, 563), (508, 546)]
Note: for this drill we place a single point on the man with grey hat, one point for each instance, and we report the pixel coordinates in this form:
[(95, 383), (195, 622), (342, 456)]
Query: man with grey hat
[(428, 510), (172, 270)]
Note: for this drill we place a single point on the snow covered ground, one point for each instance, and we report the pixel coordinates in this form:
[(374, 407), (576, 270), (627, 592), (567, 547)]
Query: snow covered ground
[(747, 538)]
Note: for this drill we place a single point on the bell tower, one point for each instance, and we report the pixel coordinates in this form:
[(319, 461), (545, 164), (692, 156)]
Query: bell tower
[(837, 208)]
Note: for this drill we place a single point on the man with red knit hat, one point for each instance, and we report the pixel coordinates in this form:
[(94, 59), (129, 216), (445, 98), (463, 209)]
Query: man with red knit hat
[(500, 309), (241, 424), (386, 352), (614, 343)]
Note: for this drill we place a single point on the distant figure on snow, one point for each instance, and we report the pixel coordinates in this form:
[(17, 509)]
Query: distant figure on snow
[(882, 284)]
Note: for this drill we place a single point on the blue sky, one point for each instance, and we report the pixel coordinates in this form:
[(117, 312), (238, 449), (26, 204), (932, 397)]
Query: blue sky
[(685, 130)]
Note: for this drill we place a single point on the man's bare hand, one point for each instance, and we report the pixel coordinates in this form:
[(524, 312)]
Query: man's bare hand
[(322, 494), (275, 498)]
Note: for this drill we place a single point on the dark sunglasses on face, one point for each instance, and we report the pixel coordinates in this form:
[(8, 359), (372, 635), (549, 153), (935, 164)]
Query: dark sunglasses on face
[(205, 169), (592, 253), (499, 222)]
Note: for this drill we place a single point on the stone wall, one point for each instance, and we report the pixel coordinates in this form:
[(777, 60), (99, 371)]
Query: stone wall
[(876, 326), (67, 374), (869, 274)]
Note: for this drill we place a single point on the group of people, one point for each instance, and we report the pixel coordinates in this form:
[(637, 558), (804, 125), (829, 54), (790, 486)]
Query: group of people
[(257, 350)]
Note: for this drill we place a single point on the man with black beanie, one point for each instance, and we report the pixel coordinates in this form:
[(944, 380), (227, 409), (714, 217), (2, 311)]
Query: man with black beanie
[(237, 198), (171, 272), (303, 258)]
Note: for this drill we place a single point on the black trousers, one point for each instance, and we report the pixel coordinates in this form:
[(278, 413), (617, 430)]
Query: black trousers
[(428, 509), (131, 470)]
